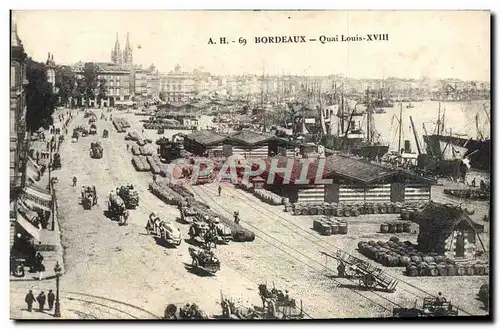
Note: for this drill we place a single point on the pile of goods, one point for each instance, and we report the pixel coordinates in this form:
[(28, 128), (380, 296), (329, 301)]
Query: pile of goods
[(164, 125), (468, 194), (347, 210), (329, 209), (395, 253), (141, 150), (330, 226), (268, 196), (140, 163), (175, 194), (133, 136), (121, 124), (155, 163), (395, 227)]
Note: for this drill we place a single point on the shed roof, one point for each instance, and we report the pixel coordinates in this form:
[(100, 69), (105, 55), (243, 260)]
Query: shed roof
[(206, 137), (355, 169), (251, 137)]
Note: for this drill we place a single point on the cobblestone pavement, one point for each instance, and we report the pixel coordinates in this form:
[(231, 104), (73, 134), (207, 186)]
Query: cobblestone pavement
[(127, 266)]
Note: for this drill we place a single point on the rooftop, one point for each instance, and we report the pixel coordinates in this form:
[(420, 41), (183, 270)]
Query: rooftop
[(251, 137), (206, 137)]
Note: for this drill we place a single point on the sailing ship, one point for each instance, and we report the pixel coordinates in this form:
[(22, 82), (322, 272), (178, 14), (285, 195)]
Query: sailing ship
[(352, 136), (477, 150)]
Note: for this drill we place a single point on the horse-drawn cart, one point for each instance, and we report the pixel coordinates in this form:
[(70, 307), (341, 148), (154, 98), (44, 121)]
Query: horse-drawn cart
[(369, 276), (204, 260)]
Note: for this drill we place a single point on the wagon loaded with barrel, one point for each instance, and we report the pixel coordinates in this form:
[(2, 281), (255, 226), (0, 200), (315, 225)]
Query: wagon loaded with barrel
[(369, 276), (117, 210), (431, 308), (204, 260)]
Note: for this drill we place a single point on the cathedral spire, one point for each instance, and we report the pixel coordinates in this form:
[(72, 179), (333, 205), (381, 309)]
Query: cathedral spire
[(116, 54), (117, 43), (127, 46), (127, 52)]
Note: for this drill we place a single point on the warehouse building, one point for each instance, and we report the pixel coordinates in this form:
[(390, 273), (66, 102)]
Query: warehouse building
[(353, 181), (205, 143), (257, 145)]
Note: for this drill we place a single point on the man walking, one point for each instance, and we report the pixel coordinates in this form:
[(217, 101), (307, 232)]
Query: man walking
[(41, 301), (29, 299), (50, 298), (219, 189), (74, 181), (236, 218)]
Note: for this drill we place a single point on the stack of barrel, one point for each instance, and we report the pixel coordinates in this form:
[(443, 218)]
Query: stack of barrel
[(440, 266), (328, 209), (268, 197), (330, 226), (395, 227), (339, 209)]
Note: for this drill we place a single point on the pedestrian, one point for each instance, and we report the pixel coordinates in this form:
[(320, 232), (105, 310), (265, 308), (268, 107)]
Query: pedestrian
[(473, 182), (236, 218), (30, 299), (41, 301), (341, 269), (154, 178), (220, 189), (74, 181), (39, 265), (37, 156), (50, 298), (127, 147)]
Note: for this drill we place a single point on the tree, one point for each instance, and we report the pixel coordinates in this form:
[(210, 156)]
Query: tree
[(102, 90), (65, 83), (90, 81), (40, 97)]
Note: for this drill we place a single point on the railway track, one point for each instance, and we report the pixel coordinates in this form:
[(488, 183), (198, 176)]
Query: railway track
[(375, 298), (415, 292), (98, 307)]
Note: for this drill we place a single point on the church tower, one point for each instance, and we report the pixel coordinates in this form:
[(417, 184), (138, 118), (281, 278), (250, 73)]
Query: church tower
[(116, 54), (51, 70), (127, 53)]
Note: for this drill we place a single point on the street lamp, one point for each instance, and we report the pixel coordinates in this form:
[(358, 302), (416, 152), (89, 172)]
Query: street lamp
[(57, 270)]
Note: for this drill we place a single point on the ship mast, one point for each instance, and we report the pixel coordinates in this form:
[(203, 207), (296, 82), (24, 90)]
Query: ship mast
[(400, 125), (439, 119), (415, 135)]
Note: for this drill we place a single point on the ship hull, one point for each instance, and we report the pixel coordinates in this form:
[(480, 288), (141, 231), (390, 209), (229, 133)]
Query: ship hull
[(479, 160), (356, 146)]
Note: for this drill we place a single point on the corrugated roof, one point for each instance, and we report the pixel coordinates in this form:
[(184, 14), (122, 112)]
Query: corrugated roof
[(206, 137), (251, 137)]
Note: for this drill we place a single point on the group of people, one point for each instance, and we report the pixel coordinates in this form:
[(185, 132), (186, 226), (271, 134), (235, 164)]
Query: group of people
[(41, 299), (90, 191)]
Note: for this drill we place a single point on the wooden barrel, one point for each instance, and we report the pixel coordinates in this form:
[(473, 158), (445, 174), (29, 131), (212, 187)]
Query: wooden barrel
[(313, 211), (479, 269), (405, 215), (442, 270), (416, 259), (428, 259), (343, 228), (382, 209), (432, 270), (334, 211), (411, 270), (335, 228), (320, 211), (327, 229), (394, 239), (347, 212), (340, 212), (393, 261), (356, 212), (399, 227), (404, 260), (397, 209), (392, 228), (452, 271), (297, 211), (407, 227), (469, 270), (304, 211), (422, 269), (384, 228), (328, 211), (460, 270)]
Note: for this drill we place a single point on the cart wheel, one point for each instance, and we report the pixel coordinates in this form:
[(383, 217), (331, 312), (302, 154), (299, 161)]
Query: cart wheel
[(369, 281)]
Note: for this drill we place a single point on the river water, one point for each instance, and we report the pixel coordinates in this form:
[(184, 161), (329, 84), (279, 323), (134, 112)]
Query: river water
[(459, 117)]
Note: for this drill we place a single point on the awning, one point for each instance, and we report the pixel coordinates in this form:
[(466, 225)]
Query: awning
[(33, 204), (39, 196), (23, 218)]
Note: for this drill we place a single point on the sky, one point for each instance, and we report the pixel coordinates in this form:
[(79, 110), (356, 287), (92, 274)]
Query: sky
[(434, 44)]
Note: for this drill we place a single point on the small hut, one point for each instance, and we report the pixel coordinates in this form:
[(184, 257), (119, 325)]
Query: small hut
[(447, 230)]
